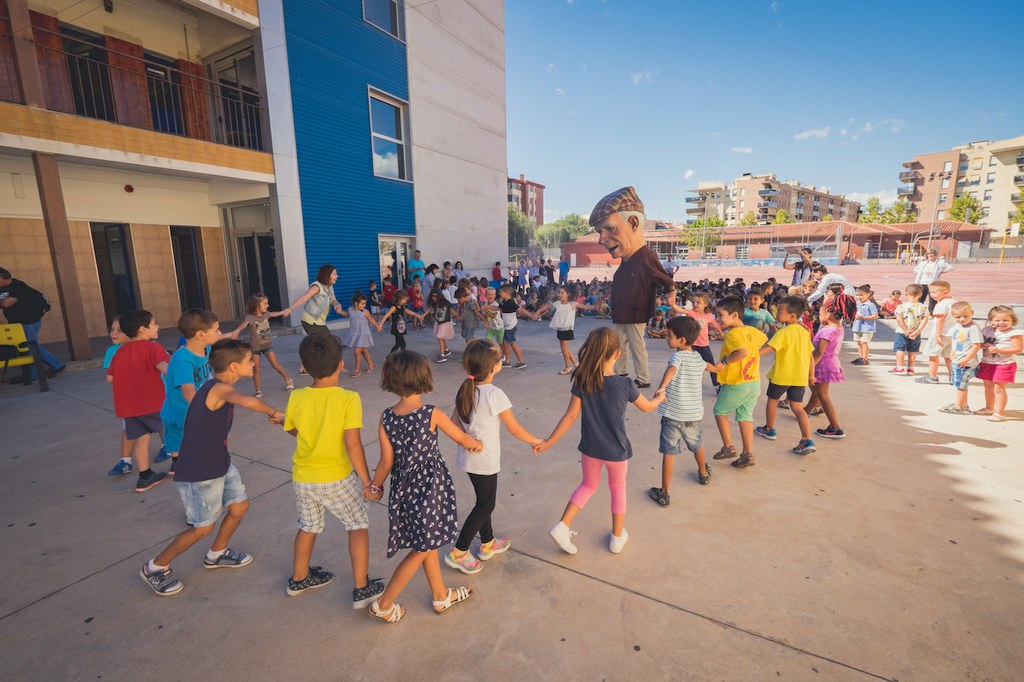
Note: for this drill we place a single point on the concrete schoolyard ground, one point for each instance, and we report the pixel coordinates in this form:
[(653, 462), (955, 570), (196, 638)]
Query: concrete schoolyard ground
[(894, 554)]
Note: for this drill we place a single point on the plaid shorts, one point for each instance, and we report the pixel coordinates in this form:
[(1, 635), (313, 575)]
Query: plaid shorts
[(342, 498), (962, 376)]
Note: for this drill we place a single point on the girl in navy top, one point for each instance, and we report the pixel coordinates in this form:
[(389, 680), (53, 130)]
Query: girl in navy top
[(601, 396)]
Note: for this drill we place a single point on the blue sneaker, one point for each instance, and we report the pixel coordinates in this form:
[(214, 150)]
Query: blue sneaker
[(121, 468), (805, 447), (162, 456), (765, 432)]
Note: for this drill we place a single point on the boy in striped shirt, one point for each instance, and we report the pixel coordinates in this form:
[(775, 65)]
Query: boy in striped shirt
[(683, 408)]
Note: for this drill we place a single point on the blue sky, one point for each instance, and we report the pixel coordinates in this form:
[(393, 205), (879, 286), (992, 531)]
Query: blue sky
[(663, 94)]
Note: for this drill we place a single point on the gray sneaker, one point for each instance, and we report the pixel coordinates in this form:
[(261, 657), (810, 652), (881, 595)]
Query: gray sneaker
[(229, 559), (162, 582)]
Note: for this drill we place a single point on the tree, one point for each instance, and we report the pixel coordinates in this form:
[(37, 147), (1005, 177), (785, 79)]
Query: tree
[(699, 237), (828, 218), (565, 229), (873, 211), (520, 229), (966, 209), (1019, 216), (899, 212), (749, 218), (782, 218)]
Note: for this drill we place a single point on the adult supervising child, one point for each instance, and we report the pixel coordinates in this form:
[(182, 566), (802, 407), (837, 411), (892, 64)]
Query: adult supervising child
[(329, 471), (206, 479)]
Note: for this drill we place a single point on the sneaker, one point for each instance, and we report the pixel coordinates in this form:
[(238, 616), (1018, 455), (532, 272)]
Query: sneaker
[(927, 379), (315, 577), (641, 384), (121, 468), (442, 358), (615, 544), (465, 562), (859, 361), (830, 432), (765, 432), (563, 537), (506, 363), (258, 394), (898, 371), (362, 596), (704, 480), (495, 546), (229, 559), (161, 456), (174, 463), (146, 482), (996, 417), (162, 582), (519, 365), (448, 352), (804, 447), (910, 371)]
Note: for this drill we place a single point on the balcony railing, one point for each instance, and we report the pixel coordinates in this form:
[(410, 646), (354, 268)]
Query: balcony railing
[(768, 193), (908, 176), (1020, 161), (694, 200), (768, 204), (1018, 179), (905, 190), (91, 79)]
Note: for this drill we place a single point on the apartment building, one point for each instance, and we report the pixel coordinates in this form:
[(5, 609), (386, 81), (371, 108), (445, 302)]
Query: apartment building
[(528, 197), (990, 171), (764, 196), (171, 154)]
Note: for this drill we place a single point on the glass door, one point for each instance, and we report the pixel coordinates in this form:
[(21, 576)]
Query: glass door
[(117, 285), (394, 254), (258, 262), (187, 268)]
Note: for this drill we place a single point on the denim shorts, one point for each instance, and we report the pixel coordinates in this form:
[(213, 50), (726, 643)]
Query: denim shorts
[(902, 342), (468, 332), (674, 434), (205, 500), (962, 376), (510, 334)]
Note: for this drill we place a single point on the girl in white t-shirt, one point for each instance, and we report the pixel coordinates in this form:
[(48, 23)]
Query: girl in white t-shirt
[(480, 409), (1002, 344), (563, 321)]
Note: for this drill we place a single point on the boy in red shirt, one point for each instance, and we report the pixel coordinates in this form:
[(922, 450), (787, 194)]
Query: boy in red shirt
[(136, 372)]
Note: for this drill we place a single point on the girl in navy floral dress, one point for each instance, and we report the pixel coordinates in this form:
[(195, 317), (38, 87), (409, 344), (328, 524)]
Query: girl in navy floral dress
[(421, 506)]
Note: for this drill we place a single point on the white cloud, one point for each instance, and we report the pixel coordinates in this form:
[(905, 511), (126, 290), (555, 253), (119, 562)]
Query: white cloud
[(895, 124), (868, 127), (886, 196), (741, 150), (854, 136), (688, 174), (819, 133), (774, 7), (842, 132), (640, 78), (570, 1), (560, 92), (550, 67)]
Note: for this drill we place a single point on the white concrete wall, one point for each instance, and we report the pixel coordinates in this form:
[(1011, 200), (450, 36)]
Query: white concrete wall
[(97, 194), (456, 52)]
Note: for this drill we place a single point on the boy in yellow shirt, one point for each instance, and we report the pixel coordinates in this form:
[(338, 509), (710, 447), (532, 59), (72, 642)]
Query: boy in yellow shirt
[(329, 470), (739, 373), (791, 374)]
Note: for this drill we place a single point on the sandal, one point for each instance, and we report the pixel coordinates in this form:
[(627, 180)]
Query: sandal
[(816, 411), (662, 498), (356, 373), (369, 370), (565, 370), (392, 615), (289, 385), (455, 595), (745, 460), (984, 412), (727, 452)]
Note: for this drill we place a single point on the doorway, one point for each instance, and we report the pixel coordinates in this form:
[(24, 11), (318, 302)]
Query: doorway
[(187, 267), (113, 264), (393, 255), (258, 264)]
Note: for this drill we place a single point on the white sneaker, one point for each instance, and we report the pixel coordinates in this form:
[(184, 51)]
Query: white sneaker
[(563, 536), (615, 544)]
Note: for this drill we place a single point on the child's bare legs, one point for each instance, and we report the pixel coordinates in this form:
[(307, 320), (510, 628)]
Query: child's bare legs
[(747, 435), (819, 392), (911, 357), (229, 525), (999, 390), (256, 371), (722, 422), (191, 536), (442, 347), (514, 349), (618, 521), (570, 361), (304, 541), (126, 445), (357, 357), (404, 573), (272, 359), (801, 418), (702, 466), (359, 555), (771, 411), (365, 352), (667, 464), (961, 398), (814, 401), (899, 358), (933, 366), (140, 451), (571, 510)]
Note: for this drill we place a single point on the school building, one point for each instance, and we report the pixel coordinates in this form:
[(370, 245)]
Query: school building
[(169, 154)]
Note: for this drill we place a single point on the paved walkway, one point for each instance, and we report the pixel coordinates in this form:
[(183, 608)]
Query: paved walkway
[(894, 554)]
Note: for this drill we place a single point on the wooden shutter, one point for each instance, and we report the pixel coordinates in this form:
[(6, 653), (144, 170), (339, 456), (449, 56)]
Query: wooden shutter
[(195, 100), (53, 63), (128, 83), (9, 90)]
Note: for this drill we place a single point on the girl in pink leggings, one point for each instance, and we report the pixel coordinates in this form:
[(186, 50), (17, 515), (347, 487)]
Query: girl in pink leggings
[(602, 397)]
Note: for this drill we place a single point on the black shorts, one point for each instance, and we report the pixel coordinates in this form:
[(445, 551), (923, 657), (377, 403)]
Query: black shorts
[(261, 351), (136, 427), (313, 328), (565, 334), (792, 393)]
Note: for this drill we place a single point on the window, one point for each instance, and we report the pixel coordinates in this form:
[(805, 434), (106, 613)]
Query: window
[(711, 251), (387, 15), (942, 198), (941, 216), (992, 161), (387, 123), (988, 195), (973, 195), (990, 179), (945, 183), (743, 192), (948, 166), (742, 250), (976, 163), (742, 201)]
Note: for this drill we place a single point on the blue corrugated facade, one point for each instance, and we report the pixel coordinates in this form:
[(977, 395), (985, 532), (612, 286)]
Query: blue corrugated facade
[(334, 58)]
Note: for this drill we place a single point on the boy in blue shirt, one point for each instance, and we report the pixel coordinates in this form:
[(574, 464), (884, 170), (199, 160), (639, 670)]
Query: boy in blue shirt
[(187, 371), (757, 317), (864, 323)]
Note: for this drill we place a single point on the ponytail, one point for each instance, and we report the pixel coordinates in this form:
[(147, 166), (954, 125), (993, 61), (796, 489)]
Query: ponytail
[(479, 360)]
